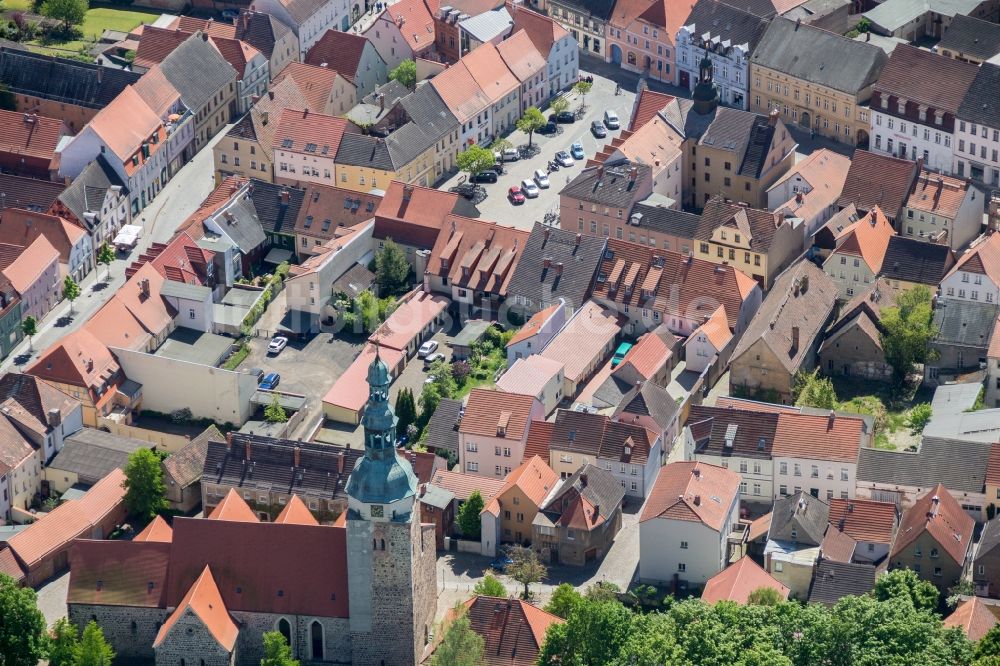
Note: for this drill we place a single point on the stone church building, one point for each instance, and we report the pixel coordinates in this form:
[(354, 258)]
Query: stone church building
[(203, 592)]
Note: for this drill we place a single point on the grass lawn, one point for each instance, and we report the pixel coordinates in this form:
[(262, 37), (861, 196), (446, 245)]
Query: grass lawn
[(97, 20), (888, 405), (17, 5)]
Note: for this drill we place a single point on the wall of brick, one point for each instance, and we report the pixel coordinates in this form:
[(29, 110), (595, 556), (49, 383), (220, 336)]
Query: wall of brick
[(130, 630), (190, 639), (253, 626)]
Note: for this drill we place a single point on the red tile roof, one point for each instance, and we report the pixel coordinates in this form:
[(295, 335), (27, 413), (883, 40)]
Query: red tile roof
[(539, 436), (716, 329), (460, 91), (868, 238), (30, 264), (583, 340), (156, 44), (666, 14), (9, 565), (983, 257), (22, 227), (864, 519), (487, 410), (180, 260), (649, 354), (491, 73), (78, 359), (205, 601), (974, 617), (158, 531), (542, 30), (818, 437), (413, 314), (29, 136), (837, 546), (304, 128), (648, 104), (521, 56), (350, 391), (412, 215), (315, 83), (233, 508), (477, 255), (415, 19), (737, 581), (118, 572), (994, 349), (692, 491), (926, 79), (463, 485), (512, 630), (877, 180), (533, 477), (339, 51), (296, 512), (533, 325), (212, 27), (941, 516)]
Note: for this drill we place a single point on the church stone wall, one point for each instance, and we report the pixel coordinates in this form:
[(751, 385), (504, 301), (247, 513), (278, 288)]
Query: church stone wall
[(424, 586), (117, 624), (253, 626), (189, 639)]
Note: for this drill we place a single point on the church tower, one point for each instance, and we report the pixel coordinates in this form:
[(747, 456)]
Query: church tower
[(391, 558)]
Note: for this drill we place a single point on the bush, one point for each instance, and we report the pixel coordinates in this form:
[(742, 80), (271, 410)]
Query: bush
[(182, 415), (919, 416), (460, 371)]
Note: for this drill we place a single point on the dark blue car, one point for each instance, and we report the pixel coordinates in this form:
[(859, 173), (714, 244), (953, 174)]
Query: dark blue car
[(501, 563), (270, 381)]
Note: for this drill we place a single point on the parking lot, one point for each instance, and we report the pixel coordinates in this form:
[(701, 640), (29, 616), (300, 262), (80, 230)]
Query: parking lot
[(498, 208)]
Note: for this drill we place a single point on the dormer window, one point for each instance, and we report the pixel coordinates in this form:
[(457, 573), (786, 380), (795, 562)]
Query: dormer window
[(901, 105), (923, 113), (885, 102)]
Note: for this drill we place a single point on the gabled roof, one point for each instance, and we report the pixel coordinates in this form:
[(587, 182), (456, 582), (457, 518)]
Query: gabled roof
[(542, 30), (29, 135), (458, 88), (233, 508), (533, 325), (158, 531), (198, 71), (63, 80), (925, 78), (959, 465), (974, 617), (990, 537), (582, 339), (92, 454), (799, 518), (648, 104), (834, 580), (971, 37), (22, 227), (737, 581), (529, 375), (29, 193), (185, 466), (757, 226), (735, 432), (539, 436), (585, 500), (339, 51), (302, 131), (463, 485), (837, 546), (693, 492), (277, 206), (155, 44), (31, 402), (30, 263), (125, 124), (964, 323), (803, 297), (296, 512), (833, 437), (476, 254), (488, 413), (938, 194), (413, 215), (415, 20), (326, 210), (513, 631), (670, 16), (205, 601), (612, 184), (715, 329), (87, 191), (119, 572), (534, 478), (650, 353), (442, 430), (864, 519), (867, 239), (912, 260), (597, 9), (597, 436), (262, 31), (825, 171), (556, 264), (983, 258), (814, 55), (724, 23), (194, 24), (648, 399), (938, 514), (878, 180), (78, 359), (366, 151), (315, 84), (981, 104), (521, 56)]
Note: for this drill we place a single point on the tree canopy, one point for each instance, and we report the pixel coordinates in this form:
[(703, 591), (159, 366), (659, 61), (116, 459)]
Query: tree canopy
[(564, 600), (490, 586), (468, 515), (70, 290), (405, 72), (105, 256), (475, 159), (460, 646), (93, 649), (907, 330), (392, 270), (531, 122), (906, 585), (70, 12), (144, 488), (22, 626), (277, 651), (63, 643), (525, 567), (814, 391), (559, 104)]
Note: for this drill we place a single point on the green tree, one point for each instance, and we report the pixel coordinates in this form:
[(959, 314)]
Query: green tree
[(144, 487), (440, 370), (905, 584), (367, 307), (430, 396), (989, 645), (274, 412), (595, 633), (63, 643), (603, 591), (406, 410), (105, 256), (71, 291), (490, 586), (531, 122), (559, 104), (525, 568), (70, 12), (29, 326), (564, 600), (583, 87), (23, 640), (764, 596), (501, 145), (392, 270), (907, 331), (918, 417), (405, 72), (93, 649), (277, 651), (814, 391), (475, 159), (460, 645), (468, 515)]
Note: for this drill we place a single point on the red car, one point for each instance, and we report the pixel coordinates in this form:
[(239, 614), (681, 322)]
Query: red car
[(515, 195)]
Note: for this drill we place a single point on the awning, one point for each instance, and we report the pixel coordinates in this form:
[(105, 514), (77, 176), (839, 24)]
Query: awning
[(277, 255)]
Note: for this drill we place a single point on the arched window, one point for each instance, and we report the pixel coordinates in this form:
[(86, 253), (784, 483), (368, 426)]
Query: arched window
[(183, 663), (134, 627), (285, 629), (382, 543), (316, 638)]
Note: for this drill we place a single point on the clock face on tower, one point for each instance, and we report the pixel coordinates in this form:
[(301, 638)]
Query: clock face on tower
[(376, 511)]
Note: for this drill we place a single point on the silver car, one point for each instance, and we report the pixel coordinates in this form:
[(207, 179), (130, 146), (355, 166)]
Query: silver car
[(541, 178), (529, 188)]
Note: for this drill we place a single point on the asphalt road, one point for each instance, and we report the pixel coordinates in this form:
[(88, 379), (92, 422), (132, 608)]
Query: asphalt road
[(175, 202)]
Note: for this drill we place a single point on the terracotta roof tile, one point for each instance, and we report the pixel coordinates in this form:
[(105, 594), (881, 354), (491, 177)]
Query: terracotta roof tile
[(10, 566), (533, 325), (339, 51), (521, 56), (941, 516), (818, 437), (864, 520), (118, 572), (583, 339), (647, 106), (692, 491), (716, 329), (157, 531), (476, 254), (125, 124), (542, 30), (24, 271), (157, 43), (529, 375), (297, 130), (158, 93), (868, 238), (737, 581), (350, 391), (666, 14), (488, 68), (212, 27), (180, 260), (78, 359), (29, 136), (416, 21), (413, 215), (539, 435), (994, 350), (533, 477), (837, 546), (650, 353), (463, 485), (233, 508), (760, 527), (626, 11), (413, 313), (205, 601), (983, 257), (459, 90), (327, 210), (315, 83), (826, 173), (22, 227), (296, 512), (502, 623), (878, 180), (974, 617), (486, 408)]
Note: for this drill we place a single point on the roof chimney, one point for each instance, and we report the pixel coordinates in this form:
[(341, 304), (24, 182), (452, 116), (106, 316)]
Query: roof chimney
[(772, 118), (583, 480), (229, 441), (559, 268), (696, 472), (798, 197), (247, 448), (53, 417), (204, 36), (407, 192), (795, 339), (545, 235), (285, 195), (340, 463), (697, 500), (579, 237), (100, 73), (305, 112), (297, 456), (831, 419), (600, 172), (633, 174)]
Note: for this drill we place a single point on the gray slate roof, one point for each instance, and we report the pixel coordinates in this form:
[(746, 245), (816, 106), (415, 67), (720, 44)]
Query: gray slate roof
[(894, 14), (365, 151), (86, 192), (430, 120), (601, 489), (242, 225), (964, 323), (62, 79), (989, 539), (600, 9), (197, 71), (665, 220), (442, 430), (728, 23), (959, 465), (799, 518), (912, 260), (649, 400), (544, 286), (955, 398), (815, 55), (274, 216), (260, 31), (92, 454), (981, 426), (612, 188), (982, 101), (972, 37), (834, 580)]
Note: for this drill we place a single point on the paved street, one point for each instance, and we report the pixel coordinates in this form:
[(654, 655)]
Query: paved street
[(175, 202)]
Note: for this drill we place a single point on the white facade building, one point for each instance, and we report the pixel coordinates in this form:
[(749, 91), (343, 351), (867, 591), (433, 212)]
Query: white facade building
[(308, 19)]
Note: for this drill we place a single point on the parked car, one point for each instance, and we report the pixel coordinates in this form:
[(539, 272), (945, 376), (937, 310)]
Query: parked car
[(576, 150), (431, 358), (565, 117), (276, 345), (428, 347), (529, 188), (500, 563), (230, 14), (488, 176), (515, 195), (467, 190), (563, 159), (620, 353), (258, 374), (508, 155), (597, 129), (541, 178), (549, 128), (270, 381), (611, 120)]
